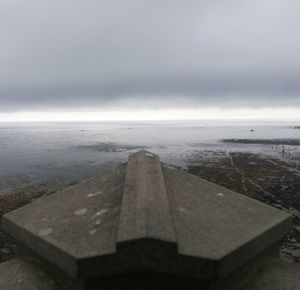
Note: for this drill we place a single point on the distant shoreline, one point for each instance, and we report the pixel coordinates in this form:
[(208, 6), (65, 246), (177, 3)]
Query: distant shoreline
[(281, 141)]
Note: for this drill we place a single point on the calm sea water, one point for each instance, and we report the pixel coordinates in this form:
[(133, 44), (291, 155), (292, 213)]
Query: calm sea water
[(75, 150)]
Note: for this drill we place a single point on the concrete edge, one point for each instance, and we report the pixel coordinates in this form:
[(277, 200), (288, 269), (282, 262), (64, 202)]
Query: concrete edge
[(46, 250), (258, 244)]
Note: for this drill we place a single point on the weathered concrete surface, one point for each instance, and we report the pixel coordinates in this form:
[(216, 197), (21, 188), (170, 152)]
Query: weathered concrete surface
[(78, 222), (145, 217), (276, 275), (145, 207), (18, 274), (217, 224)]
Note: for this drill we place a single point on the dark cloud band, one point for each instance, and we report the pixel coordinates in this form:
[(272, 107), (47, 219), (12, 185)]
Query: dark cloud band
[(67, 54)]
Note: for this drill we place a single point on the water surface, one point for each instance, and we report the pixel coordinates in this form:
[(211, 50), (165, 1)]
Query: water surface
[(74, 150)]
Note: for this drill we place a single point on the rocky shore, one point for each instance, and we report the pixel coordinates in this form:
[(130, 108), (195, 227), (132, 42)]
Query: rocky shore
[(281, 141)]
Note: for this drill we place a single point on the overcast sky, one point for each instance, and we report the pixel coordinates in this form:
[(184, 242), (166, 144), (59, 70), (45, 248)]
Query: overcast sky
[(87, 54)]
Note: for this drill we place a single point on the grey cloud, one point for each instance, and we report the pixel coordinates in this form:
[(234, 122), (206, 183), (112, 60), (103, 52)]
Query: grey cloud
[(88, 53)]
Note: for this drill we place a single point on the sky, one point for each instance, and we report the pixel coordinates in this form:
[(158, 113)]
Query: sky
[(114, 59)]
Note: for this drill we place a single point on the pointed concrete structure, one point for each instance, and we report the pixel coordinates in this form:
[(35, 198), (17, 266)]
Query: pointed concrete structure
[(145, 221)]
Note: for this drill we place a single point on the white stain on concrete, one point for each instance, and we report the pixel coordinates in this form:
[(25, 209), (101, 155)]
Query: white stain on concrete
[(220, 194), (95, 193), (45, 232), (101, 212), (181, 209), (80, 211), (92, 232)]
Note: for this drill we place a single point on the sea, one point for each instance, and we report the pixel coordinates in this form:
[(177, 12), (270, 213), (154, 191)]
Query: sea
[(75, 150)]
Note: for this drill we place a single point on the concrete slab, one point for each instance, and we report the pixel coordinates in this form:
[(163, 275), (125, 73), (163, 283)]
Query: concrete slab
[(78, 222), (142, 217), (219, 225), (18, 274)]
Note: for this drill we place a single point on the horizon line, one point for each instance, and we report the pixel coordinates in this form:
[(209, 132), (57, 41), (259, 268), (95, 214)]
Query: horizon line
[(198, 114)]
